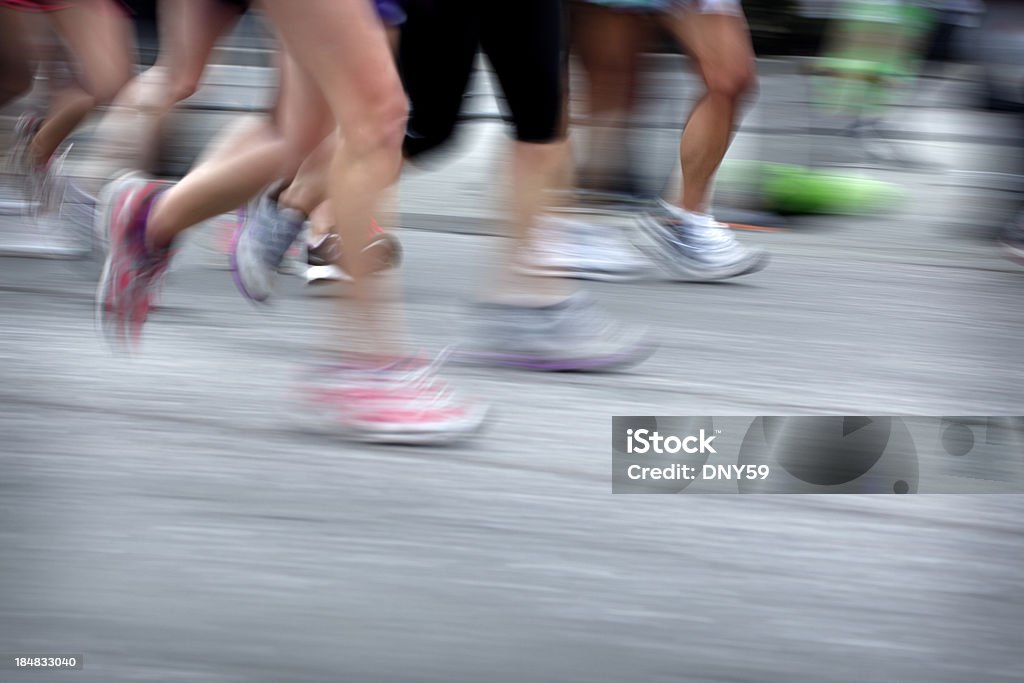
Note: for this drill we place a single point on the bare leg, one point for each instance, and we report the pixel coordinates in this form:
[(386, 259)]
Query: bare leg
[(321, 220), (608, 44), (98, 35), (720, 47), (189, 29), (342, 46), (308, 189), (15, 64), (535, 169), (225, 182)]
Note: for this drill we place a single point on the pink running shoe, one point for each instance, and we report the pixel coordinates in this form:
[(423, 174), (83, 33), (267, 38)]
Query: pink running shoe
[(399, 403), (132, 273)]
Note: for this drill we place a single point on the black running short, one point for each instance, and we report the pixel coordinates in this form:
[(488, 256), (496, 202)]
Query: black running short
[(523, 40)]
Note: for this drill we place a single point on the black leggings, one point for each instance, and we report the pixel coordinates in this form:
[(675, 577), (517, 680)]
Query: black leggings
[(523, 39)]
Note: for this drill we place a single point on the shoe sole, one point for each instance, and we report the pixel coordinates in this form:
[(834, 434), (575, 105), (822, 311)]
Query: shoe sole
[(320, 420), (236, 276), (584, 274), (658, 248), (618, 361), (420, 438), (324, 275)]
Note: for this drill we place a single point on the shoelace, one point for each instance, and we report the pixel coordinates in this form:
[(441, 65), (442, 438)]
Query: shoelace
[(710, 233), (425, 378), (717, 232), (421, 377)]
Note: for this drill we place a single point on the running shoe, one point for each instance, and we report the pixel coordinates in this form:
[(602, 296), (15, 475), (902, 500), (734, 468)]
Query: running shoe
[(322, 261), (572, 336), (696, 247), (40, 178), (132, 273), (261, 243), (405, 402), (46, 182), (19, 159), (1013, 240), (322, 256), (587, 251)]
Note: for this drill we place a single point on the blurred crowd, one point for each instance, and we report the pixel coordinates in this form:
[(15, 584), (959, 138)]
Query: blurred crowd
[(367, 88)]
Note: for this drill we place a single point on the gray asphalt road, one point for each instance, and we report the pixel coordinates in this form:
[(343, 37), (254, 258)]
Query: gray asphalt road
[(172, 518)]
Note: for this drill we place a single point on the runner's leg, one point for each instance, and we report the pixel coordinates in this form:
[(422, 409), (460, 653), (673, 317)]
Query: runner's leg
[(189, 30), (15, 62), (98, 35), (719, 44), (226, 182), (342, 45)]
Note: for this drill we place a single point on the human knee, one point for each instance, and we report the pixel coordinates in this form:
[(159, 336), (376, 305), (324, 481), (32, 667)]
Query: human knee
[(183, 87), (735, 82), (106, 86), (383, 125)]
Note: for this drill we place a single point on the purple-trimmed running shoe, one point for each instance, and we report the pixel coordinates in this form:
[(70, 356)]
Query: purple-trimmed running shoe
[(572, 336), (260, 246), (132, 273)]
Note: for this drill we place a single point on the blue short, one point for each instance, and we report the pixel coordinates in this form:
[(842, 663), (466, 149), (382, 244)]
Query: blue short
[(390, 11)]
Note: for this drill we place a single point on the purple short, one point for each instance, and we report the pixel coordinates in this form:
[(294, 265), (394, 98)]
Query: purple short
[(390, 11)]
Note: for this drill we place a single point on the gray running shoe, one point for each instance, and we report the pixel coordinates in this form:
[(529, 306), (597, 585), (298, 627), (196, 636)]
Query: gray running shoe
[(697, 248), (260, 246), (572, 336)]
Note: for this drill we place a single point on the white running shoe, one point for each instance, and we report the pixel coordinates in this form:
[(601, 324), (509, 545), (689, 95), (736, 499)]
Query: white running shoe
[(697, 247), (583, 250)]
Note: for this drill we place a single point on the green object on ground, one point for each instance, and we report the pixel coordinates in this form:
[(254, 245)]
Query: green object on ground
[(798, 190), (794, 190)]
